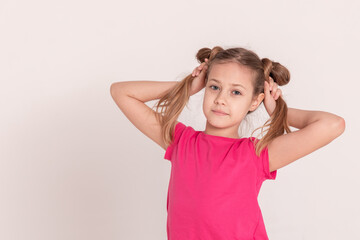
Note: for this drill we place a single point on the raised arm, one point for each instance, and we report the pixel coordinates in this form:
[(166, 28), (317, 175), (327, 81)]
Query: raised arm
[(316, 129), (130, 97)]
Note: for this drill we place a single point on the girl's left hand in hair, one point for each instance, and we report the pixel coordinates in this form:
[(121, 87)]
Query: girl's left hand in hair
[(272, 93)]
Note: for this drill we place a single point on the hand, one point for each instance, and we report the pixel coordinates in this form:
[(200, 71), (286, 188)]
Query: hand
[(272, 93), (199, 80)]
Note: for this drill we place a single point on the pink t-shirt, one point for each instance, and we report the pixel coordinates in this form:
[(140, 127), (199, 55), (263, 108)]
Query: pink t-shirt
[(213, 187)]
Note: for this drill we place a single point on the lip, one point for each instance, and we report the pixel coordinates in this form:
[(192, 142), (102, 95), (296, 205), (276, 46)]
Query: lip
[(219, 113)]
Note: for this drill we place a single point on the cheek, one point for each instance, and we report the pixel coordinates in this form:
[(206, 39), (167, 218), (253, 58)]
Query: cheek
[(206, 103), (240, 107), (207, 98)]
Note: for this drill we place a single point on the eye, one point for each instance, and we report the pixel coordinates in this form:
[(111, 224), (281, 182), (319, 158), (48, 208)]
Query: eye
[(212, 86), (237, 92)]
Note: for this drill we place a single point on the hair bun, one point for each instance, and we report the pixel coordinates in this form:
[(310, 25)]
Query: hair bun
[(278, 72), (208, 53)]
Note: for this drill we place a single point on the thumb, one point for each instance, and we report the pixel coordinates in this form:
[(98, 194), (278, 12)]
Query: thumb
[(204, 69)]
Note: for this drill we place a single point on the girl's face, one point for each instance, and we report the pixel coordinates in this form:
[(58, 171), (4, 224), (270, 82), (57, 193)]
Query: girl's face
[(234, 100)]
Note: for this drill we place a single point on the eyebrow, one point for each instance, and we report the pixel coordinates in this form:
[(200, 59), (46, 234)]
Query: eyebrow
[(233, 84)]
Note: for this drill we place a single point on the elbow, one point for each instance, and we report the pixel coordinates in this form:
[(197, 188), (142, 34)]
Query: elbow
[(334, 126), (118, 88), (338, 126), (114, 88)]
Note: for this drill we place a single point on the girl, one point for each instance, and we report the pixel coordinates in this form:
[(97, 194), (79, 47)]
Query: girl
[(216, 174)]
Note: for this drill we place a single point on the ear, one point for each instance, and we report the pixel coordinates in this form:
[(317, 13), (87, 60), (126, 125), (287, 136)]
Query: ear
[(256, 102)]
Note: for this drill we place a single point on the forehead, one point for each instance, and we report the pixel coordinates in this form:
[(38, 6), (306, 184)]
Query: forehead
[(229, 73)]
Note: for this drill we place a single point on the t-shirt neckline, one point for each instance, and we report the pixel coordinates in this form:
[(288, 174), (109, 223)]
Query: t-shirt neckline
[(220, 137)]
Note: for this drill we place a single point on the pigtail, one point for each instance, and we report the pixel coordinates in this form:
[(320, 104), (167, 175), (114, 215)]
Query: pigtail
[(174, 100), (172, 104), (277, 123)]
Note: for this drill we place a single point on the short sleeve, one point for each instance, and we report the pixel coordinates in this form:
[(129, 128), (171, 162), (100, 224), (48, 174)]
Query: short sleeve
[(264, 157), (178, 130), (262, 163)]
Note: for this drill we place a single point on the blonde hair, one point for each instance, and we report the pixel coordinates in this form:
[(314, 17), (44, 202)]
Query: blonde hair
[(174, 100)]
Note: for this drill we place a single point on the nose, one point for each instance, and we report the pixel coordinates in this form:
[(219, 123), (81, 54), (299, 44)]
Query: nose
[(220, 99)]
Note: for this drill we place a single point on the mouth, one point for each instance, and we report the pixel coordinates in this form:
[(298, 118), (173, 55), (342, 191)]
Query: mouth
[(220, 113)]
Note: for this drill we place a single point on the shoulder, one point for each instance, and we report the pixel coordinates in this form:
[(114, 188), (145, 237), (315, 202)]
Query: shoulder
[(181, 134), (247, 146), (262, 161), (181, 127)]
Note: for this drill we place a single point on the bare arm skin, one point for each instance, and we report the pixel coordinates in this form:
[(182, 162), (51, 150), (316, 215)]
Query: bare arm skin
[(130, 97), (316, 129), (143, 91)]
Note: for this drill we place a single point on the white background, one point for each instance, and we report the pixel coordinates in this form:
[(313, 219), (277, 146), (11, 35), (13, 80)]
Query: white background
[(72, 166)]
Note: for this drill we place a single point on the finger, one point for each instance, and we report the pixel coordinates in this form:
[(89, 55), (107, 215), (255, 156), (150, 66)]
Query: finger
[(194, 72), (278, 94), (197, 71), (203, 68), (203, 71), (266, 89), (271, 83), (274, 89)]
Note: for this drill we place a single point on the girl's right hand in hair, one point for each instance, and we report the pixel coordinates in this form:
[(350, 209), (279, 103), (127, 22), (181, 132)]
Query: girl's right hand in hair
[(199, 73)]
